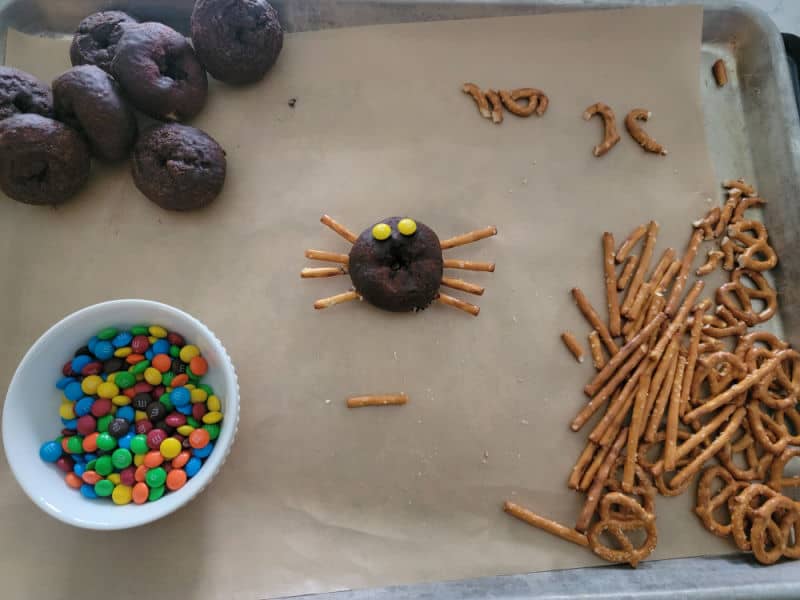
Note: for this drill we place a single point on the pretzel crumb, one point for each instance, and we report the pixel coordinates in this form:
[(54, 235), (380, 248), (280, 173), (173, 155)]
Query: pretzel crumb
[(720, 72)]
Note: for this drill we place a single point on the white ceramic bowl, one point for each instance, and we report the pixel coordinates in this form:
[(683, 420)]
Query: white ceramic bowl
[(30, 416)]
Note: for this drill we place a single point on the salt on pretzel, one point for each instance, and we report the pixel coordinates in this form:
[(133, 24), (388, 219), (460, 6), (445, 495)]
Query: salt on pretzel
[(610, 135), (480, 99), (537, 101), (639, 134), (616, 528)]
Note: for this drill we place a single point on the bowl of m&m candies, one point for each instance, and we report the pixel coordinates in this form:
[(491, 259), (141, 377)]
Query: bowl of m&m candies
[(120, 414)]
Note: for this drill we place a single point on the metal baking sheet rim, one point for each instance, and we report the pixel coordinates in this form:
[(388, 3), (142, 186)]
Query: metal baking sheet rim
[(774, 157)]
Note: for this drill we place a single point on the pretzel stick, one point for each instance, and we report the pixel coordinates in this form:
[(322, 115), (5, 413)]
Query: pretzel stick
[(580, 465), (627, 272), (727, 213), (618, 359), (598, 399), (739, 184), (450, 263), (729, 262), (596, 349), (714, 259), (634, 432), (611, 422), (339, 228), (597, 462), (631, 328), (720, 72), (656, 306), (337, 299), (679, 321), (668, 278), (639, 134), (643, 297), (468, 238), (644, 264), (615, 426), (660, 404), (459, 304), (594, 493), (610, 135), (328, 256), (614, 322), (380, 400), (691, 360), (630, 241), (322, 272), (572, 345), (710, 451), (464, 286), (479, 97), (735, 390), (557, 529), (497, 106), (594, 320), (673, 414), (683, 274)]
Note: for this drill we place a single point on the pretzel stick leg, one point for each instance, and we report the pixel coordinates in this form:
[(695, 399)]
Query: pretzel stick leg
[(328, 256), (380, 400), (641, 270), (637, 425), (594, 320), (557, 529), (593, 495), (337, 299), (464, 286), (322, 272), (339, 228), (460, 304), (450, 263), (612, 299), (673, 413), (468, 238), (580, 465), (683, 274)]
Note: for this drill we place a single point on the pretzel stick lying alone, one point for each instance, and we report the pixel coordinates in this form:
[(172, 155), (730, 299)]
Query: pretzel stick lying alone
[(639, 134), (720, 72), (610, 135), (380, 400), (557, 529), (572, 345)]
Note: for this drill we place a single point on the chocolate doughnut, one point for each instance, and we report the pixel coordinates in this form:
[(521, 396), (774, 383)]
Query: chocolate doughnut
[(95, 41), (89, 100), (42, 161), (178, 167), (159, 72), (236, 40), (400, 273), (22, 93)]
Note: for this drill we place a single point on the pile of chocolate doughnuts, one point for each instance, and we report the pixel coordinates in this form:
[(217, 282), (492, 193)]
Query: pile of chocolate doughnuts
[(125, 73)]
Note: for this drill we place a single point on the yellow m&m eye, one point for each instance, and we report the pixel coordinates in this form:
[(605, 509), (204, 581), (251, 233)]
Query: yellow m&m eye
[(381, 231), (407, 226)]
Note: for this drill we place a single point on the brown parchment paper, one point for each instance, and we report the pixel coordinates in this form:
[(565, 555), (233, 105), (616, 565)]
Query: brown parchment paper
[(315, 497)]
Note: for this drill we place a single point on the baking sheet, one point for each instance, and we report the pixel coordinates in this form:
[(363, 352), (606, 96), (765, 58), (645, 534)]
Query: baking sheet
[(314, 497)]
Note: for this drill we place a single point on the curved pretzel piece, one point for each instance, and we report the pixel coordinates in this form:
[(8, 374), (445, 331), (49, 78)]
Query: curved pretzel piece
[(537, 101), (744, 204), (639, 134), (755, 459), (776, 479), (480, 99), (610, 136), (781, 389), (497, 106), (710, 501), (741, 185), (753, 245), (616, 528), (736, 297)]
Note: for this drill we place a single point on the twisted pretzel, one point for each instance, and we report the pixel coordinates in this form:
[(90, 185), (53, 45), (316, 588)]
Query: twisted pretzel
[(736, 297), (776, 479), (662, 477), (710, 502), (779, 533), (617, 528), (537, 101), (743, 507), (480, 99), (781, 389), (757, 460), (753, 245)]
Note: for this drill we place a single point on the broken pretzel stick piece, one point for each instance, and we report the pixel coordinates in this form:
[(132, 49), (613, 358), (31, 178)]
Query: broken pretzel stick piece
[(480, 99), (627, 272), (328, 256), (668, 278), (727, 212), (612, 299), (596, 350), (594, 493), (708, 223), (739, 184), (683, 274), (450, 263), (557, 529), (572, 345), (627, 245), (720, 72), (639, 134), (334, 300), (729, 262), (610, 136), (714, 259), (460, 304), (594, 320), (641, 270), (468, 238), (464, 286), (497, 106), (339, 228), (322, 272), (580, 465), (380, 400)]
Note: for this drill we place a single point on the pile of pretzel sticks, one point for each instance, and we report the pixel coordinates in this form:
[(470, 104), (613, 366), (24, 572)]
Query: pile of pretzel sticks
[(684, 384)]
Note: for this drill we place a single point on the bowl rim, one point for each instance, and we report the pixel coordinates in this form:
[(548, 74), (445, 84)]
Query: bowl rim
[(171, 502)]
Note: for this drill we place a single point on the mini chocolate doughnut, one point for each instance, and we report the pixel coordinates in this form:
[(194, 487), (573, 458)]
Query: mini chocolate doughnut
[(42, 161), (95, 41), (22, 93), (178, 167), (236, 40), (399, 273), (89, 100), (159, 72)]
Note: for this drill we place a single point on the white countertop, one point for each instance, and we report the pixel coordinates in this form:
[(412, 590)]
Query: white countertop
[(786, 13)]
